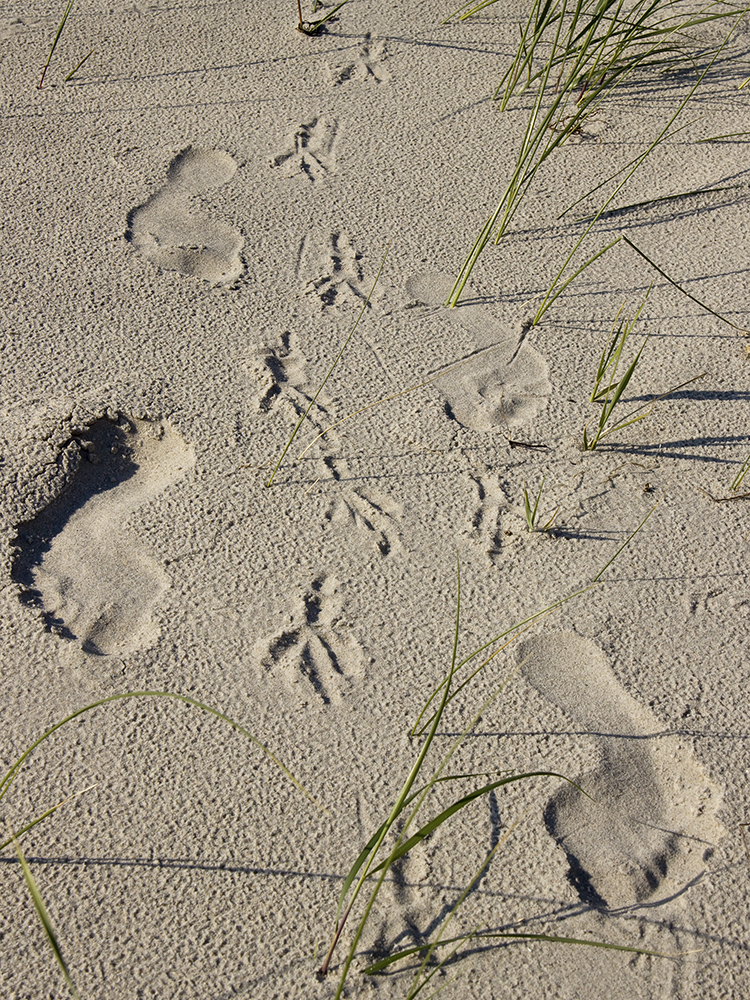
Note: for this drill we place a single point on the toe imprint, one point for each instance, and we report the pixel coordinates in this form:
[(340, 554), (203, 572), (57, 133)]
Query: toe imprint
[(650, 820)]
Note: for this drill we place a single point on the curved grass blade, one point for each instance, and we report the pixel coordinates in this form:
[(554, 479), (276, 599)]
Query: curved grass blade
[(44, 917), (14, 769), (438, 820), (394, 814), (377, 967)]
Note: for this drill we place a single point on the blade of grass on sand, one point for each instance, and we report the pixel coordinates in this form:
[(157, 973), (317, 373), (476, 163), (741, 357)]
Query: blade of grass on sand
[(14, 768), (54, 43), (505, 935), (392, 817), (44, 917), (680, 288), (737, 481), (33, 823), (554, 289), (330, 370), (313, 27), (76, 68)]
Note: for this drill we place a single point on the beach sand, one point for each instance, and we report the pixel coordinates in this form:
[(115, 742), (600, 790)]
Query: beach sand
[(191, 226)]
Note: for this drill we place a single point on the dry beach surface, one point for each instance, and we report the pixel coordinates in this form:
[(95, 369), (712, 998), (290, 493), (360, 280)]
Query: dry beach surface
[(190, 227)]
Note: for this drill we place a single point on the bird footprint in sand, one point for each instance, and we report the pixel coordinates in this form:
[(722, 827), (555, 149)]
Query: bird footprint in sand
[(504, 381), (649, 825), (94, 580), (167, 232), (310, 654)]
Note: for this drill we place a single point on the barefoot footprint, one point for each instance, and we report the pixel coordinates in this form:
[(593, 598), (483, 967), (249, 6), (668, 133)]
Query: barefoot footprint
[(166, 231), (650, 823), (504, 380), (95, 581)]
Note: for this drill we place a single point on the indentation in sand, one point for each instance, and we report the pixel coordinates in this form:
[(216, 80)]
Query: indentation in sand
[(95, 581), (310, 151), (330, 271), (309, 654), (504, 381), (650, 823), (171, 235), (366, 67)]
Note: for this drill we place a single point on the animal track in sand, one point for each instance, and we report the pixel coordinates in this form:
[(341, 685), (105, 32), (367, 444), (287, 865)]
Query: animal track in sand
[(504, 380), (309, 654), (650, 823), (330, 271), (366, 67), (485, 527), (94, 581), (277, 369), (310, 151), (167, 232), (278, 373)]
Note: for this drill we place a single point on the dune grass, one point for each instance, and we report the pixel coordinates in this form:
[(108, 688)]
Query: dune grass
[(380, 853), (532, 513), (576, 53), (611, 392)]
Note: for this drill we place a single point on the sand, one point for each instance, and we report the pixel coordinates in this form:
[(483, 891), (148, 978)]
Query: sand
[(190, 228)]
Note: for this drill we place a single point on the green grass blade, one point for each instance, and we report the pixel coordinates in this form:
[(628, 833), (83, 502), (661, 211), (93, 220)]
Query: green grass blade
[(737, 481), (330, 370), (379, 966), (33, 823), (77, 67), (44, 917), (394, 814), (54, 43), (628, 540), (446, 814), (14, 769)]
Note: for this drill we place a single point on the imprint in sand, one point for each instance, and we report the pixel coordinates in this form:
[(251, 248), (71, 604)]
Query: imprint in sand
[(94, 580), (310, 151), (366, 67), (309, 655), (166, 231), (651, 825), (503, 380), (278, 375), (330, 270)]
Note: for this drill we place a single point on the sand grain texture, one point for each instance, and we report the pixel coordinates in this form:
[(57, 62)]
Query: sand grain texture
[(190, 228)]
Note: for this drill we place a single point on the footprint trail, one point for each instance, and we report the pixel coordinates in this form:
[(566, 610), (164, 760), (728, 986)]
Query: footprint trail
[(166, 231), (95, 581), (504, 382), (649, 826)]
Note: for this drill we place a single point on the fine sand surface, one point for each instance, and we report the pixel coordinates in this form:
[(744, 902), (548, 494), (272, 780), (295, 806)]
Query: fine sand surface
[(190, 227)]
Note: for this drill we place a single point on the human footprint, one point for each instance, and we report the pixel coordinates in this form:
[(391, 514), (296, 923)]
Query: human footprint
[(649, 824), (166, 232), (504, 381)]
